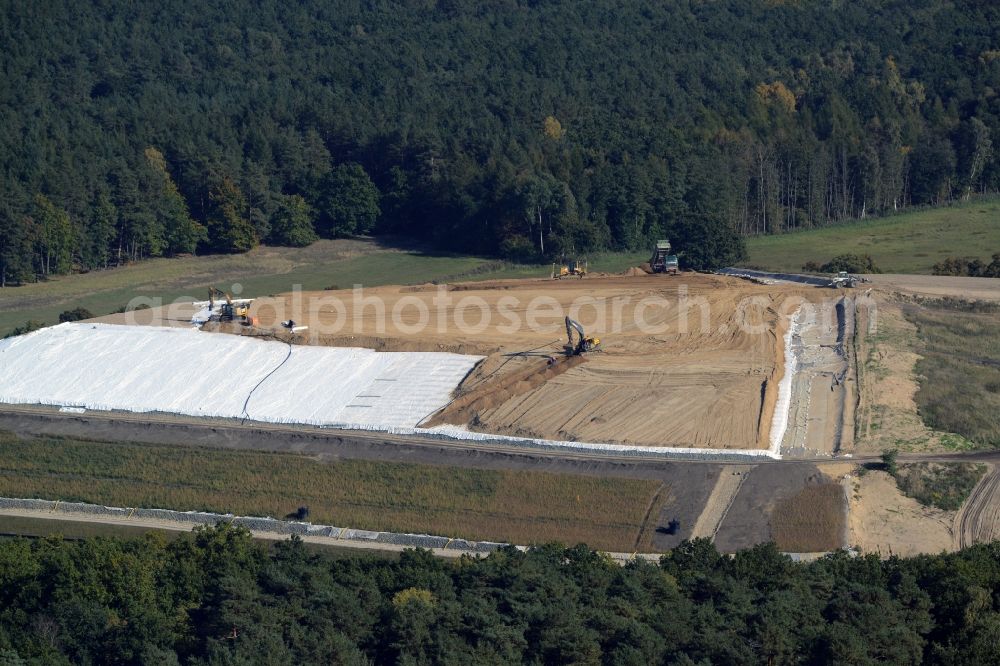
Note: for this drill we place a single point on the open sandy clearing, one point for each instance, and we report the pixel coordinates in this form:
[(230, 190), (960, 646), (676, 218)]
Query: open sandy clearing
[(689, 361), (884, 521)]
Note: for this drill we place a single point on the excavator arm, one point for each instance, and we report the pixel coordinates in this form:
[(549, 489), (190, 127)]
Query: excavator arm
[(229, 311), (573, 325), (214, 292), (583, 343)]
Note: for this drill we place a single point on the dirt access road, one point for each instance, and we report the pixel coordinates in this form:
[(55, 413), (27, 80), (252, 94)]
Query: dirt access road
[(978, 521), (177, 526), (937, 286)]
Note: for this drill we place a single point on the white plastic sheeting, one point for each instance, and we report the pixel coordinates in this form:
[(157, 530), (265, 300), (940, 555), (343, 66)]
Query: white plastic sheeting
[(459, 433), (186, 371)]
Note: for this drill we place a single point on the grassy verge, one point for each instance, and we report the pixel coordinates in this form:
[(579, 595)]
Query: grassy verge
[(905, 243), (12, 527), (517, 506), (959, 372), (263, 271), (942, 485)]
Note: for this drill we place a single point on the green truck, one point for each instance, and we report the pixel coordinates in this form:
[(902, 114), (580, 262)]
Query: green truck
[(662, 261)]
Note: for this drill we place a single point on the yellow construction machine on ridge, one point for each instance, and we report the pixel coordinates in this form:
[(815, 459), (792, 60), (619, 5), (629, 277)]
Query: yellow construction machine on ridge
[(230, 310)]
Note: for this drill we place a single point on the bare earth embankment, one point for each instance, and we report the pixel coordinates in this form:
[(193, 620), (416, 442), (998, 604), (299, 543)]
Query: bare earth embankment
[(688, 361)]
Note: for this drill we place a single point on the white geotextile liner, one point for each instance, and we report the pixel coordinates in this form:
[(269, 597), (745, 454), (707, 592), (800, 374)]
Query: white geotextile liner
[(782, 406), (186, 371), (458, 432)]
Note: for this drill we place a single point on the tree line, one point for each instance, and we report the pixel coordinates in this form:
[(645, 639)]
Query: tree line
[(216, 597), (522, 128)]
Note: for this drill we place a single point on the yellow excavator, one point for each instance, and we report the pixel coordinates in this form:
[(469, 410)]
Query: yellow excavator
[(230, 311), (584, 343)]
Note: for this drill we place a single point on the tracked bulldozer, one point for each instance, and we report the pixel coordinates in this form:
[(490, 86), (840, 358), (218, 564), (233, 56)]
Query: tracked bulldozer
[(569, 268), (583, 343)]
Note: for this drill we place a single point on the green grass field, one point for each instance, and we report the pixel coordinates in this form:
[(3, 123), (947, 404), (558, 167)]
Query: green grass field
[(959, 368), (264, 271), (942, 485), (905, 243), (517, 506)]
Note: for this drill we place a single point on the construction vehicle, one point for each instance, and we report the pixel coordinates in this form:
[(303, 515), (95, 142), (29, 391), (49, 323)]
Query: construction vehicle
[(230, 310), (662, 261), (843, 280), (572, 267), (583, 342)]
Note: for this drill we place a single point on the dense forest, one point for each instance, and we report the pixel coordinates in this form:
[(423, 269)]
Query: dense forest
[(216, 597), (523, 128)]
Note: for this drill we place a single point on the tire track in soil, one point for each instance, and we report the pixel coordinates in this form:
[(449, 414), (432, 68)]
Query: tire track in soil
[(644, 525), (977, 520)]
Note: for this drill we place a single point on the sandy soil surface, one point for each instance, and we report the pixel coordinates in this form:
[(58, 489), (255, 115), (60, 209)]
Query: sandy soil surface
[(886, 415), (940, 285), (723, 494), (691, 360), (884, 521)]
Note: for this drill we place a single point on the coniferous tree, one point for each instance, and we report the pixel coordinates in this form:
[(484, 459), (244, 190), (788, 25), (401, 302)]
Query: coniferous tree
[(229, 229), (293, 222), (350, 202)]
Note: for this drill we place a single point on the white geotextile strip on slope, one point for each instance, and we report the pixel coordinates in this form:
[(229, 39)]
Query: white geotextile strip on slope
[(185, 371), (783, 405), (457, 432)]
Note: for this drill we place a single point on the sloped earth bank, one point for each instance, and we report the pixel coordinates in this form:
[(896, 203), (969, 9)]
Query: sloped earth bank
[(688, 361), (683, 487)]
